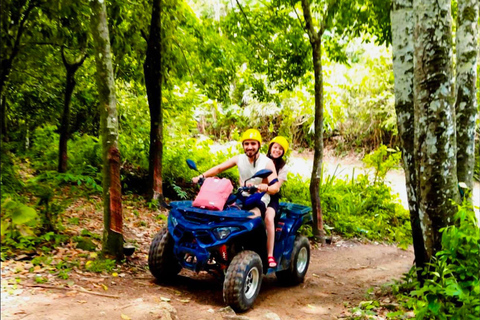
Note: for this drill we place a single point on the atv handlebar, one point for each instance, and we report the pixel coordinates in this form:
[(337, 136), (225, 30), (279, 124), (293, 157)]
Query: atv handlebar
[(249, 189)]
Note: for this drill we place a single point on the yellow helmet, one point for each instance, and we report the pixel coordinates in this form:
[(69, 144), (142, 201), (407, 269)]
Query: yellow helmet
[(251, 134), (281, 141)]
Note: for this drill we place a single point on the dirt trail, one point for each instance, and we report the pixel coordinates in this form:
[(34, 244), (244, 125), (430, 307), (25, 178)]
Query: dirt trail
[(338, 279)]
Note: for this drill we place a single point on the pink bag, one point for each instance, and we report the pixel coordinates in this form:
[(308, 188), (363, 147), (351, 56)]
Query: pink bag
[(213, 194)]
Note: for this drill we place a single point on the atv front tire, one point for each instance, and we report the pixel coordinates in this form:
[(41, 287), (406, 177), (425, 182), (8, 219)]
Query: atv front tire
[(295, 273), (243, 280), (162, 263)]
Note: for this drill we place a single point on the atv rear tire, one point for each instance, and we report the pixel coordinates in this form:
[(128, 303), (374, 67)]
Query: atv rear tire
[(295, 273), (243, 280), (162, 263)]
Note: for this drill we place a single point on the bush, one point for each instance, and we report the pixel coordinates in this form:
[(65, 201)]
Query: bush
[(44, 148), (452, 288), (177, 175), (355, 208), (10, 182)]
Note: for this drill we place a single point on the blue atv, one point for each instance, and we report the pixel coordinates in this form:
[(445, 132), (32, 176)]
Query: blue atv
[(231, 245)]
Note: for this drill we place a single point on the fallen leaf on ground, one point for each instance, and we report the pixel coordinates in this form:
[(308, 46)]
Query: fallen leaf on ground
[(71, 293), (20, 312), (165, 299), (125, 317)]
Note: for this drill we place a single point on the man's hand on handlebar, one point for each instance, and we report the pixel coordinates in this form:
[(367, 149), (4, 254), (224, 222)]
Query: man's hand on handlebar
[(198, 179), (262, 187)]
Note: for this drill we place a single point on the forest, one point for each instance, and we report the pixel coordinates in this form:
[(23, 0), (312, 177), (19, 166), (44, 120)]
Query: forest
[(102, 103)]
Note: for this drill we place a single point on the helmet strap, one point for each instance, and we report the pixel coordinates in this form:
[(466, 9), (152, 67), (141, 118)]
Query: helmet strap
[(255, 157)]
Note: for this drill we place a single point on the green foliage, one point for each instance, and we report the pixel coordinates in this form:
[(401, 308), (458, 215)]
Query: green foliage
[(84, 152), (44, 148), (10, 181), (100, 265), (180, 193), (452, 288), (61, 268), (18, 220), (358, 111), (27, 238), (85, 156), (176, 171), (85, 243), (355, 208), (55, 179), (359, 99), (382, 160), (476, 169)]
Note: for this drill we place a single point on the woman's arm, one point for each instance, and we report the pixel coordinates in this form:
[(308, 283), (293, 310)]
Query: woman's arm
[(275, 187)]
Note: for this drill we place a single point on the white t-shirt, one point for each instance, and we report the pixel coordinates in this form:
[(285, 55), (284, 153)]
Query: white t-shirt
[(282, 173), (247, 169)]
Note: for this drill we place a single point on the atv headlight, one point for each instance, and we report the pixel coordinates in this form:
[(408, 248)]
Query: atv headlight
[(223, 232), (174, 221)]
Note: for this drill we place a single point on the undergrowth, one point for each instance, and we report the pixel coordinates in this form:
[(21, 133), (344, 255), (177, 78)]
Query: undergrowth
[(451, 289), (358, 206)]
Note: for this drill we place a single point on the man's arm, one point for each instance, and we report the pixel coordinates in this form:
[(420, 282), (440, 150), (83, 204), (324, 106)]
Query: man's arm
[(218, 169)]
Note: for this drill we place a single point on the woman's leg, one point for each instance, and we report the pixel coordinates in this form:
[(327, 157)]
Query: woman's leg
[(270, 225)]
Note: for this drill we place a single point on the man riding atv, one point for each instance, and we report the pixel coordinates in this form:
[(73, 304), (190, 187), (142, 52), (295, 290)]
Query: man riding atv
[(228, 241), (248, 164)]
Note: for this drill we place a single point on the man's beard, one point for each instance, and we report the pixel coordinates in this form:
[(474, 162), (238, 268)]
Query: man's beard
[(251, 153)]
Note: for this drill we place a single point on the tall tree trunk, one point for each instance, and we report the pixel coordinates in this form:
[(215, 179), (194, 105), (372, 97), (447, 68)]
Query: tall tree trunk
[(153, 81), (112, 217), (316, 178), (435, 160), (402, 41), (466, 88), (65, 122)]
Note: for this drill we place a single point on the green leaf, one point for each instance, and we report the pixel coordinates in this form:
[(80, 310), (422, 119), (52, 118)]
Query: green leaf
[(9, 204), (433, 304), (5, 226), (454, 289), (23, 214)]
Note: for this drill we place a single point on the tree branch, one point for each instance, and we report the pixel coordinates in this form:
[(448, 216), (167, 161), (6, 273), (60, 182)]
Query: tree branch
[(307, 14), (183, 53), (298, 17), (251, 27), (332, 5), (82, 289), (77, 62), (144, 35)]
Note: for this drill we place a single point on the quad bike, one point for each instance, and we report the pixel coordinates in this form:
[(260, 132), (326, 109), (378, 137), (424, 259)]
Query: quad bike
[(231, 245)]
